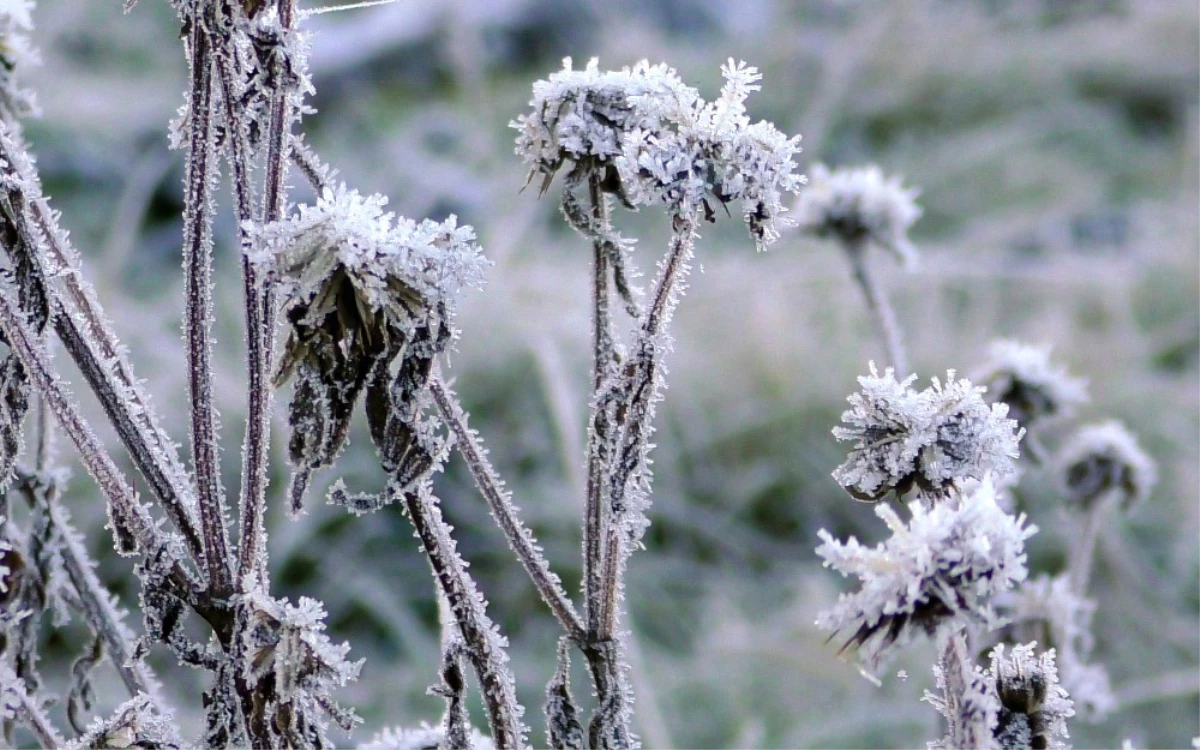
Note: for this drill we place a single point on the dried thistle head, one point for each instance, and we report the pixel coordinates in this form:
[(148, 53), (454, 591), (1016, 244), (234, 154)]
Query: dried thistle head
[(1034, 388), (699, 150), (1103, 459), (859, 204), (581, 117), (931, 440), (1033, 706), (361, 292), (940, 568)]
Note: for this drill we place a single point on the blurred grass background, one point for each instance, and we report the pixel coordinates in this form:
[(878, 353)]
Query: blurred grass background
[(1056, 148)]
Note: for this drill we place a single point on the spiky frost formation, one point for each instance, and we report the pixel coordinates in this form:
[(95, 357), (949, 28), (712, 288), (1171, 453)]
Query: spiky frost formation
[(1034, 388), (857, 204), (135, 723), (932, 440), (286, 644), (1105, 458), (711, 149), (362, 291), (424, 737), (1034, 708), (942, 567), (583, 116), (1066, 623)]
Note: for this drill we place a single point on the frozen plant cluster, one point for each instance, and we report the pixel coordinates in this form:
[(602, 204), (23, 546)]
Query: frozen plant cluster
[(929, 440)]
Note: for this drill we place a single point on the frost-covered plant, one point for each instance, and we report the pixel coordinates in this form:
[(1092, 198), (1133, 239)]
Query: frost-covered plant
[(1103, 461), (928, 440), (16, 54), (937, 571), (1035, 389)]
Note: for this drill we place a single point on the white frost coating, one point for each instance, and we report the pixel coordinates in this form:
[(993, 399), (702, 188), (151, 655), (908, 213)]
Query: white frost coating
[(945, 564), (16, 54), (388, 265), (424, 737), (135, 723), (933, 439), (853, 204), (1105, 457), (1034, 388)]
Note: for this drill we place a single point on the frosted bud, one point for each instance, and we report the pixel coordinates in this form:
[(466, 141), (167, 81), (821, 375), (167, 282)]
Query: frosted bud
[(1033, 706), (1035, 389), (1105, 458), (859, 204)]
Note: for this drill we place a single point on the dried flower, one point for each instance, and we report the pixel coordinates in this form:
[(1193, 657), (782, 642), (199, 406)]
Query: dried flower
[(1062, 619), (1101, 459), (583, 116), (1023, 377), (1033, 706), (943, 566), (711, 149), (362, 292), (932, 440), (857, 204)]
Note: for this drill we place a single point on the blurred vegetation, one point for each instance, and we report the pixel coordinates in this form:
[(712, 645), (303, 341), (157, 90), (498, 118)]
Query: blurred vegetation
[(1056, 148)]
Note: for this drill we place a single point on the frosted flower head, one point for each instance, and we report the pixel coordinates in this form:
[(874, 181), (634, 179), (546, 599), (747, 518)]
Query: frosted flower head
[(361, 291), (1034, 708), (860, 204), (1062, 619), (700, 150), (135, 723), (582, 116), (1103, 459), (287, 642), (932, 440), (942, 567), (1035, 389)]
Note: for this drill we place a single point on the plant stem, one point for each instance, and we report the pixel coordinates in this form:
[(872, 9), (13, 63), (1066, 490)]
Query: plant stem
[(504, 512), (197, 261), (877, 303), (28, 709), (1083, 553)]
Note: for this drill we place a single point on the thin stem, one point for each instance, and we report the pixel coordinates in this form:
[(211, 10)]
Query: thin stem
[(30, 710), (197, 261), (877, 303), (89, 340), (1083, 553), (483, 646), (504, 512), (131, 523), (256, 443)]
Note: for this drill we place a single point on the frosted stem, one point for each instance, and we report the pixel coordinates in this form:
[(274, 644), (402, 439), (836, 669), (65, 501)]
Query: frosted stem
[(1083, 552), (483, 645), (128, 516), (258, 303), (88, 338), (197, 261), (504, 512), (29, 710), (877, 303)]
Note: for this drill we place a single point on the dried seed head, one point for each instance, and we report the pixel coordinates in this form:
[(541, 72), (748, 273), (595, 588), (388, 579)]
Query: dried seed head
[(362, 291), (857, 204), (1035, 390), (583, 116), (1100, 459), (16, 54), (941, 567), (932, 440), (700, 150), (1033, 706)]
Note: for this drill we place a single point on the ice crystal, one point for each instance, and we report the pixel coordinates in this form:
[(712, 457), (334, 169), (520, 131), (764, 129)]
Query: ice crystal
[(1034, 708), (933, 439), (857, 204), (1034, 388), (583, 116), (135, 723), (423, 737), (943, 566), (1065, 621), (1105, 458), (362, 291), (711, 149)]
